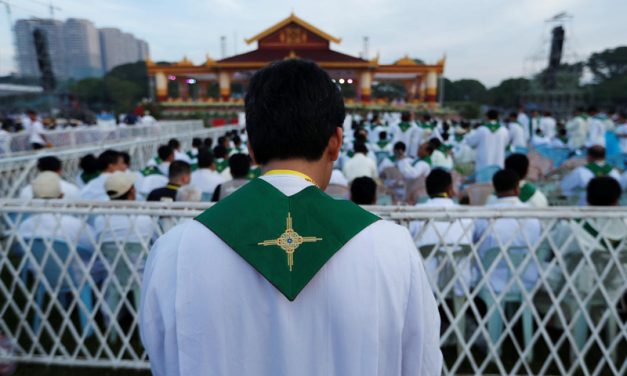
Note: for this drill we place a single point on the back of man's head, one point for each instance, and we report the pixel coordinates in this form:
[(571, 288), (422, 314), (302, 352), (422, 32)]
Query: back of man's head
[(205, 159), (220, 151), (208, 143), (438, 182), (49, 163), (89, 164), (592, 110), (603, 191), (383, 135), (513, 116), (405, 116), (360, 147), (178, 170), (492, 115), (596, 153), (174, 144), (400, 147), (505, 183), (292, 110), (165, 153), (126, 157), (518, 163), (364, 191), (196, 142), (108, 158), (237, 140), (239, 164)]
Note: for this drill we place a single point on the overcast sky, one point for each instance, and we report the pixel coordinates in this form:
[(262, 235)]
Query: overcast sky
[(485, 39)]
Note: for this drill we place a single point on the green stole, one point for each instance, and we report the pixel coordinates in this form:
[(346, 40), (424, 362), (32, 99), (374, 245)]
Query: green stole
[(425, 159), (597, 170), (254, 172), (493, 126), (221, 164), (404, 126), (459, 137), (350, 153), (287, 239), (87, 177), (607, 244), (427, 126), (526, 192), (444, 148), (383, 143), (151, 170)]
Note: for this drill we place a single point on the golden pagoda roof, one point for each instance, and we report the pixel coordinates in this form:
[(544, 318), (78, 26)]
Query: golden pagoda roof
[(185, 62), (405, 60), (299, 21)]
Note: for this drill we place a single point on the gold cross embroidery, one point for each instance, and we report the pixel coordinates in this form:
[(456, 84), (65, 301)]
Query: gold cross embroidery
[(289, 241)]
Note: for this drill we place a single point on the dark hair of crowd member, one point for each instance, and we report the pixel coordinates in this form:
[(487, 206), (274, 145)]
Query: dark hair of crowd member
[(493, 115), (239, 164), (405, 116), (603, 191), (505, 181), (178, 169), (383, 135), (89, 164), (164, 152), (360, 147), (400, 145), (518, 163), (126, 157), (292, 110), (205, 159), (513, 115), (438, 182), (196, 142), (208, 143), (107, 158), (50, 164), (596, 152), (174, 144), (364, 191), (435, 143), (220, 151)]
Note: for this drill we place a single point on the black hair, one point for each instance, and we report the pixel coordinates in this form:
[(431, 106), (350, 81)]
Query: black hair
[(196, 142), (178, 169), (593, 109), (405, 116), (126, 157), (426, 117), (49, 164), (164, 152), (505, 181), (519, 163), (89, 164), (174, 144), (107, 158), (596, 152), (435, 143), (208, 142), (492, 114), (239, 164), (438, 182), (603, 191), (237, 140), (292, 110), (400, 146), (364, 191), (220, 151), (513, 115), (360, 147), (383, 135), (205, 159)]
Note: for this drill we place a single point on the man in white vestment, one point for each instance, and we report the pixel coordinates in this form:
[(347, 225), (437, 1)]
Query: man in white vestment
[(577, 129), (574, 184), (110, 161), (596, 128), (281, 279), (490, 140)]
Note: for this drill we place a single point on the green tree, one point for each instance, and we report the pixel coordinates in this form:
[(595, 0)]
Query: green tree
[(91, 91), (123, 94), (509, 92), (608, 64), (465, 90), (136, 73)]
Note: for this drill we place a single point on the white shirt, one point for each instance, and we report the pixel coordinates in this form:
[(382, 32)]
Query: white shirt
[(413, 171), (36, 130), (206, 180), (577, 129), (95, 190), (360, 165), (621, 130), (596, 132), (490, 146), (504, 233), (338, 178), (206, 311), (152, 182), (576, 182), (548, 125), (70, 191), (125, 228), (517, 135), (523, 120), (443, 233), (148, 120), (180, 156), (442, 160)]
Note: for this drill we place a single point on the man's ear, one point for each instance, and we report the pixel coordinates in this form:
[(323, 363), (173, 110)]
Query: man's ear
[(251, 153), (335, 144)]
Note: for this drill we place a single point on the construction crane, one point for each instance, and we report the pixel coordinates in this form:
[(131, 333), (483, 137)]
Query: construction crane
[(49, 5)]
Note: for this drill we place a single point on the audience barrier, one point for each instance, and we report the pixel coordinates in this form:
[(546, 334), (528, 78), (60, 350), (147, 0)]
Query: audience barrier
[(520, 291), (17, 171), (19, 143)]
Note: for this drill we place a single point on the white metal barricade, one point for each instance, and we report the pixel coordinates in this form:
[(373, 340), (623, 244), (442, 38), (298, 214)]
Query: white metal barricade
[(15, 172), (19, 144), (520, 291)]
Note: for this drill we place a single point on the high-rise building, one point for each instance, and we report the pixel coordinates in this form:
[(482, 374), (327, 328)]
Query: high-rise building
[(77, 48), (26, 54), (82, 47)]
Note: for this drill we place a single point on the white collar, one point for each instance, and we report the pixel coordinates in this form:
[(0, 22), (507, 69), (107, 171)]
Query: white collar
[(288, 184), (441, 201), (508, 201)]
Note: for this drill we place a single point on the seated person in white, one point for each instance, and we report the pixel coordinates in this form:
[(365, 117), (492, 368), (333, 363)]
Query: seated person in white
[(529, 193), (206, 178), (360, 164), (110, 161), (490, 140), (383, 147), (505, 233), (89, 170), (439, 234), (573, 237), (53, 164), (364, 191), (58, 227), (516, 132), (574, 184), (419, 167), (175, 145), (441, 156), (155, 175), (621, 131)]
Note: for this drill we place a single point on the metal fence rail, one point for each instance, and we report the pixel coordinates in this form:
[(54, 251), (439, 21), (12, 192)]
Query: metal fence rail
[(520, 291), (15, 172), (18, 144)]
